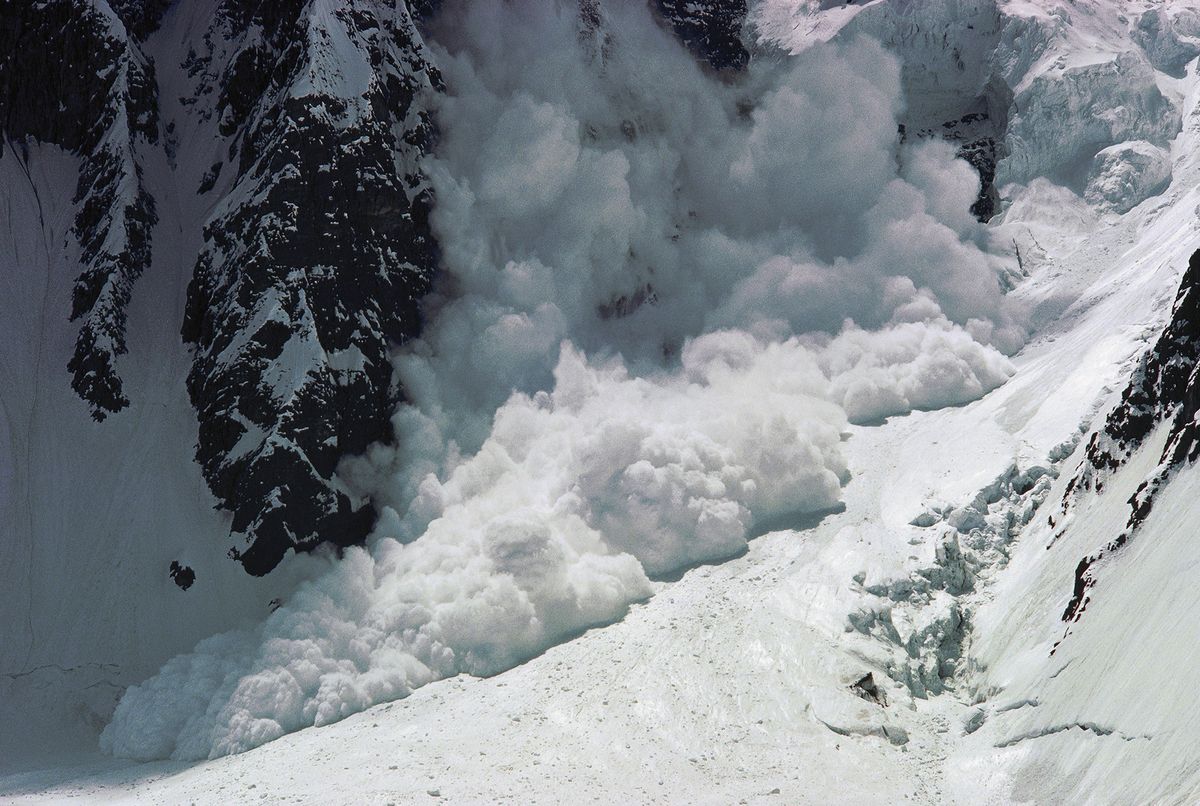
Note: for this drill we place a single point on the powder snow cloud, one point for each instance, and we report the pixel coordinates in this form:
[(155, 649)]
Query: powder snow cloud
[(664, 297)]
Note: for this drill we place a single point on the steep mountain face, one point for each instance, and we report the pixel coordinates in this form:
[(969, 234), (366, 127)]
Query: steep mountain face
[(1164, 391), (91, 90), (315, 254), (314, 260), (316, 248), (238, 175)]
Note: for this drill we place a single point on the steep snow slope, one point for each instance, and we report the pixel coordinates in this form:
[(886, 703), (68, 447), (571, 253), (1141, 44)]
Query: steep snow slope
[(115, 551), (1090, 627), (85, 504)]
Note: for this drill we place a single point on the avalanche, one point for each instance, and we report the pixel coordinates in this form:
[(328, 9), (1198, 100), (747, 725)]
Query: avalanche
[(739, 460), (716, 404)]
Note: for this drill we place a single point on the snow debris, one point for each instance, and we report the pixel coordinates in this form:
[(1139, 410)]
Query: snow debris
[(924, 612)]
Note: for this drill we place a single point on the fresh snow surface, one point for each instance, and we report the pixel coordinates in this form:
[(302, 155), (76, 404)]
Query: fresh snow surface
[(732, 683)]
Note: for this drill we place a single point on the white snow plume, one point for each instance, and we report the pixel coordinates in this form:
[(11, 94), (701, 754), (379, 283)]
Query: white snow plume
[(911, 365), (663, 294)]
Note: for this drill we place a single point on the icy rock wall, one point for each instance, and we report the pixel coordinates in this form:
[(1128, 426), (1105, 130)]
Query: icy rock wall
[(995, 77), (1068, 114)]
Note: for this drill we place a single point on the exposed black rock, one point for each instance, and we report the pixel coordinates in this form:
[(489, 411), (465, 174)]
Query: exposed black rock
[(866, 688), (976, 137), (140, 17), (313, 268), (711, 29), (72, 74), (316, 256), (1165, 388), (182, 575), (625, 304), (982, 156)]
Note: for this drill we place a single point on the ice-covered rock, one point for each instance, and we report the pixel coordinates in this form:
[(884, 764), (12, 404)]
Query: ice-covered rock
[(1170, 36), (1068, 113), (1125, 175)]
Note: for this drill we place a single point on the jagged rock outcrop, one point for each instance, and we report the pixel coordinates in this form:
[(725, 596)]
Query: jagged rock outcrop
[(314, 258), (314, 263), (1164, 389), (72, 74)]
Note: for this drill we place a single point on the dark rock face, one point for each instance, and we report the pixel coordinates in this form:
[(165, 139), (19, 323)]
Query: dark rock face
[(313, 267), (711, 29), (316, 251), (1165, 388), (314, 259), (182, 575), (72, 74), (982, 155), (976, 135), (140, 17)]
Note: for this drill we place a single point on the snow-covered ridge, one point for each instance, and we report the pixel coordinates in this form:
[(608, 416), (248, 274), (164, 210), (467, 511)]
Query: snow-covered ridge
[(316, 255)]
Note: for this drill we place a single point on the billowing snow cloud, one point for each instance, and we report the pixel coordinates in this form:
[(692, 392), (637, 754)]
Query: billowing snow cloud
[(664, 297)]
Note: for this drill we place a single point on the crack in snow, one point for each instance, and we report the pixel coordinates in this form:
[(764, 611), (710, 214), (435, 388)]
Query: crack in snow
[(1090, 727)]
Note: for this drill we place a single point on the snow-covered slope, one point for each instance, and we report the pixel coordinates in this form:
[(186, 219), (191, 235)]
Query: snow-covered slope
[(117, 122), (993, 612), (247, 175), (743, 681)]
